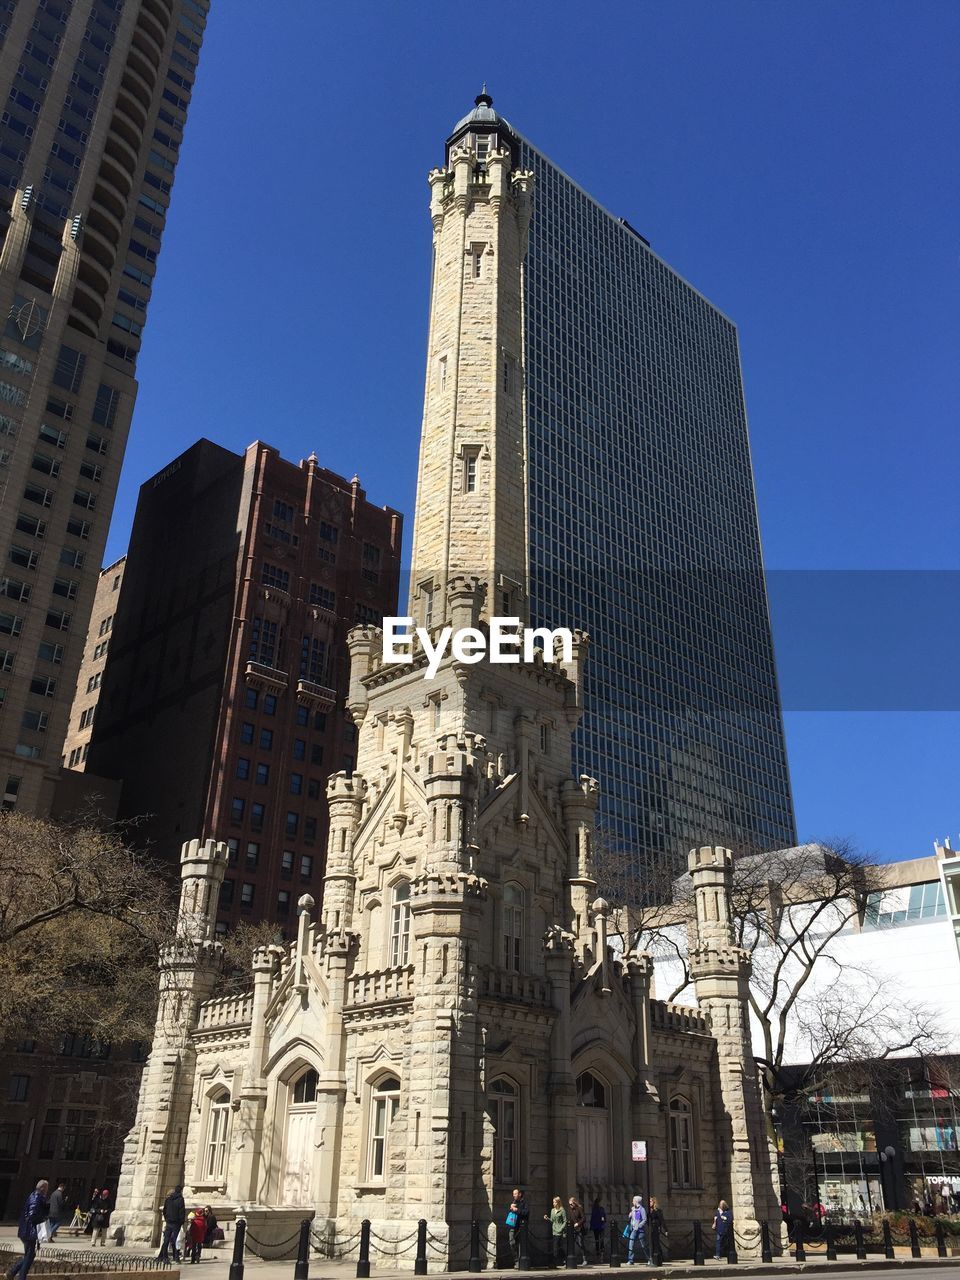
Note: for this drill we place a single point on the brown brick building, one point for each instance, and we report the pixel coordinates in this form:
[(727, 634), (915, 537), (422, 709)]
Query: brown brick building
[(221, 701)]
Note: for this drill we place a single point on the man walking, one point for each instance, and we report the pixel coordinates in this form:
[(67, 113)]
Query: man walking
[(35, 1210), (58, 1208), (517, 1219), (174, 1216)]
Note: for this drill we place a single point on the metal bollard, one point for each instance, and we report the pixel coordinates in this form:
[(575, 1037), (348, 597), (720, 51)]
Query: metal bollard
[(732, 1258), (941, 1239), (858, 1239), (236, 1262), (799, 1252), (363, 1261), (474, 1262), (302, 1270), (614, 1259), (523, 1262), (914, 1239), (831, 1240), (420, 1262), (697, 1243), (571, 1255), (766, 1253), (887, 1240)]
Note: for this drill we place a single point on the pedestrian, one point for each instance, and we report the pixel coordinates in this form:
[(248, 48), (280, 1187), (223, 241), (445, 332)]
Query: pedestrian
[(58, 1207), (196, 1233), (578, 1220), (518, 1215), (35, 1209), (722, 1225), (557, 1217), (99, 1219), (174, 1216), (637, 1223), (210, 1239), (658, 1230), (598, 1225)]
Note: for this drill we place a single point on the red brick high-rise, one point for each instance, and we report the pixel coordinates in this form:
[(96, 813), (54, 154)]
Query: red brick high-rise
[(222, 700)]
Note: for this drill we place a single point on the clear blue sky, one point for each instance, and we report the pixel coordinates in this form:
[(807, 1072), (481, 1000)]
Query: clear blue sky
[(795, 161)]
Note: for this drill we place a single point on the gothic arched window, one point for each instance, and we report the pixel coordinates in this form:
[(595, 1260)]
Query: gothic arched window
[(504, 1108), (591, 1091), (512, 927), (384, 1105), (218, 1129), (400, 924), (681, 1142), (305, 1088)]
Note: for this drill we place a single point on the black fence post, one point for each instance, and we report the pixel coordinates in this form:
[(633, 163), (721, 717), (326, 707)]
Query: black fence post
[(799, 1252), (887, 1240), (914, 1239), (474, 1262), (941, 1239), (830, 1237), (858, 1239), (363, 1261), (420, 1262), (302, 1270), (236, 1262), (523, 1260), (614, 1259), (766, 1253), (656, 1255), (697, 1243), (571, 1255)]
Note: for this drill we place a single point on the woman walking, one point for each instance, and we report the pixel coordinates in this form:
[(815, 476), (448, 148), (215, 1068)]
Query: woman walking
[(658, 1229), (722, 1225), (557, 1217)]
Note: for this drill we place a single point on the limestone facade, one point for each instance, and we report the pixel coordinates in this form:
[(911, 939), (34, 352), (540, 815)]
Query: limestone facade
[(453, 1022)]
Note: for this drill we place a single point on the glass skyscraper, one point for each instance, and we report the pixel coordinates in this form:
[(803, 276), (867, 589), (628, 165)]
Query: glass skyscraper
[(644, 532), (95, 97)]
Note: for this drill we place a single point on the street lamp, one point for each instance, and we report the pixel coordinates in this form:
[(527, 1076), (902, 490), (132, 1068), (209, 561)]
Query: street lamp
[(886, 1161)]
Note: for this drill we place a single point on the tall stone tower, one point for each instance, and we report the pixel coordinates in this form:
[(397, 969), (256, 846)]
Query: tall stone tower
[(189, 967), (721, 974), (471, 494)]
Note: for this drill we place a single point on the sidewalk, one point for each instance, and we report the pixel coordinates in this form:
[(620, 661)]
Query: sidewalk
[(215, 1265)]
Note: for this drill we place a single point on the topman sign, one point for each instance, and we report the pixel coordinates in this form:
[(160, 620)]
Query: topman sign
[(504, 641)]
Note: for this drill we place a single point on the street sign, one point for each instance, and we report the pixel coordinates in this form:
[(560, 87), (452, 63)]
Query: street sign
[(639, 1150)]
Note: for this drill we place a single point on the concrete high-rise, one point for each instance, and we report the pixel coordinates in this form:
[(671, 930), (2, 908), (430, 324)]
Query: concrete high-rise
[(95, 97), (221, 704), (642, 521)]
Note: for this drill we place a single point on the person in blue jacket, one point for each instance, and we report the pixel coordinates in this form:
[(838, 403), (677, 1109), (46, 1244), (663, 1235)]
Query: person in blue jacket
[(722, 1224), (36, 1209)]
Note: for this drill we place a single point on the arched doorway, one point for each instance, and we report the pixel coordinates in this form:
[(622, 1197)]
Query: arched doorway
[(593, 1130), (296, 1170)]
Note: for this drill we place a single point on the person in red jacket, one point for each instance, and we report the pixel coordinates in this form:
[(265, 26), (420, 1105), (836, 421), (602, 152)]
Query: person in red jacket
[(196, 1233)]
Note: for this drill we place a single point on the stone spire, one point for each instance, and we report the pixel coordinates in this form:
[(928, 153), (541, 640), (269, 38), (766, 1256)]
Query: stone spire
[(471, 492), (721, 975)]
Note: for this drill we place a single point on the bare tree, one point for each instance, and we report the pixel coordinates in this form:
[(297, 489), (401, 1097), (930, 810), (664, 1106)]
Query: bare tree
[(814, 1008), (82, 918)]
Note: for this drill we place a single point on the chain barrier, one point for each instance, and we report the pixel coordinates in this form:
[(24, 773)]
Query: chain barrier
[(328, 1246), (397, 1247), (60, 1260), (279, 1248)]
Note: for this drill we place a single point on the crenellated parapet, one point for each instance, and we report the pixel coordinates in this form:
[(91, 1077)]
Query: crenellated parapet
[(365, 646)]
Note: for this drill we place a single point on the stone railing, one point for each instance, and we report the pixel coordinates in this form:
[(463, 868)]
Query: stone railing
[(505, 985), (677, 1017), (381, 985), (228, 1011)]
